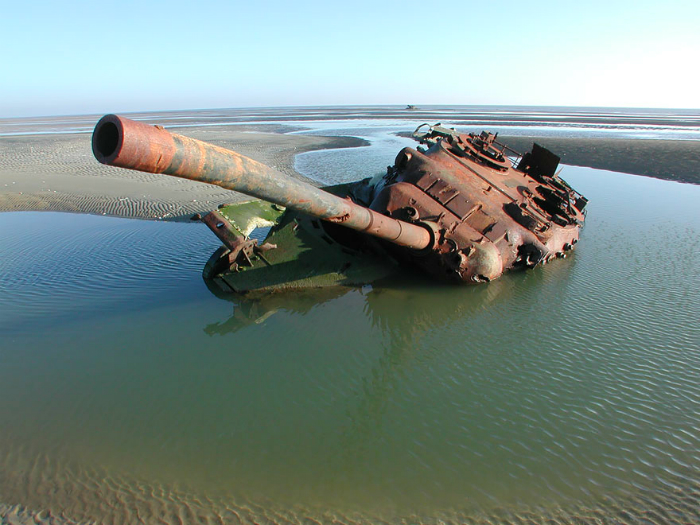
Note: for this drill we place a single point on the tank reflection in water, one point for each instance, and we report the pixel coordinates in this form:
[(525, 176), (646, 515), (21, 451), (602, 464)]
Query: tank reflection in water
[(566, 393)]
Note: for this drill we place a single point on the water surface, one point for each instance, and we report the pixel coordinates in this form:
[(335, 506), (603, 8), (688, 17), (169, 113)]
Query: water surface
[(129, 391), (676, 124)]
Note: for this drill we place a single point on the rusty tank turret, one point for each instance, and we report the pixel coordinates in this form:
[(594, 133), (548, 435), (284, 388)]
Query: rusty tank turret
[(458, 207)]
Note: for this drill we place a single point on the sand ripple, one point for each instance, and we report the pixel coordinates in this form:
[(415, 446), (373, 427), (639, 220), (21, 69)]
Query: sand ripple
[(93, 496), (59, 173)]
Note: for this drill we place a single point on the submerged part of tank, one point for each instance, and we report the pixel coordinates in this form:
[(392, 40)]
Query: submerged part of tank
[(462, 207)]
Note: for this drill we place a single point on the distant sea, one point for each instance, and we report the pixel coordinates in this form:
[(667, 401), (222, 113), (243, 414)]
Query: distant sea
[(677, 124)]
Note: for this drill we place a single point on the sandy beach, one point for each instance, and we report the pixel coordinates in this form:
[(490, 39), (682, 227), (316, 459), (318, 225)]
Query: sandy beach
[(57, 172)]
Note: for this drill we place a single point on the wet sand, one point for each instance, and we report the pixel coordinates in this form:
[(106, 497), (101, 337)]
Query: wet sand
[(677, 160), (59, 173)]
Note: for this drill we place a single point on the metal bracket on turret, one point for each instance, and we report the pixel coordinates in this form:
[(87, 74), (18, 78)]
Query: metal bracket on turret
[(242, 249)]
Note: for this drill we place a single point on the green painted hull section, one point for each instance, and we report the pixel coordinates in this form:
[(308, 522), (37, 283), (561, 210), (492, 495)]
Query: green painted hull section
[(309, 253)]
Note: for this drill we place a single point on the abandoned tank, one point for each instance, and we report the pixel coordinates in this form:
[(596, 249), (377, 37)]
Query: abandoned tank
[(463, 208)]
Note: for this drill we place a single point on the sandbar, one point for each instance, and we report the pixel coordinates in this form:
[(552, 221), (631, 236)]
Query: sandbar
[(677, 160), (58, 172)]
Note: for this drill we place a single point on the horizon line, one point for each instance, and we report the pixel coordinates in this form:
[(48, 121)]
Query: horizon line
[(416, 107)]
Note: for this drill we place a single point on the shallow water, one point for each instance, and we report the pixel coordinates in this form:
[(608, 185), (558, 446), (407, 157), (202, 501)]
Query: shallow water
[(129, 391), (678, 124)]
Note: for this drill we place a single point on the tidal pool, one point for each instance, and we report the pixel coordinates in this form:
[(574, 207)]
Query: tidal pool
[(567, 393)]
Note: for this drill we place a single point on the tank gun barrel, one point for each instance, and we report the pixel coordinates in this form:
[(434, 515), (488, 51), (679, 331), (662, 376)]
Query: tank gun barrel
[(122, 142)]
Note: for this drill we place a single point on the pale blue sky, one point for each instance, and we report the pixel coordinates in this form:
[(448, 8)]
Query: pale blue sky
[(100, 56)]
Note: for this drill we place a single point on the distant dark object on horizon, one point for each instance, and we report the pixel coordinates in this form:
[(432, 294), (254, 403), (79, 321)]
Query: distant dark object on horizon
[(411, 107)]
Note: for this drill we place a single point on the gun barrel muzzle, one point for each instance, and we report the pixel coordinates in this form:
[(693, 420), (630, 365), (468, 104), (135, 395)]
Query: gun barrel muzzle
[(122, 142)]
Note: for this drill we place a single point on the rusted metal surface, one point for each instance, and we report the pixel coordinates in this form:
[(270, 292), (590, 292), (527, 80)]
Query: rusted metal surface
[(464, 207), (487, 215), (118, 141)]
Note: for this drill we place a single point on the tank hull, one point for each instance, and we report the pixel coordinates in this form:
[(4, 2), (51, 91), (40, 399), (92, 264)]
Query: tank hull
[(462, 207), (308, 252)]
